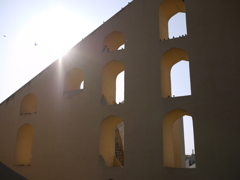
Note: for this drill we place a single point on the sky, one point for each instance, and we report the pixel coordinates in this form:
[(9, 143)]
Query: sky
[(56, 26)]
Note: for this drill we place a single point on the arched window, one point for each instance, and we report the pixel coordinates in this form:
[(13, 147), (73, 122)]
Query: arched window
[(114, 41), (168, 59), (109, 75), (177, 25), (73, 79), (24, 144), (111, 148), (173, 139), (167, 9), (180, 79), (29, 104)]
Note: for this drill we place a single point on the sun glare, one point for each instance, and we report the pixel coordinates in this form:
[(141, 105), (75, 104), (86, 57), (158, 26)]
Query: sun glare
[(43, 39), (51, 34)]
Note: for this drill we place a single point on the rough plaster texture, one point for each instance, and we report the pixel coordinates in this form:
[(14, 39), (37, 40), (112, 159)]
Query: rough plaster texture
[(67, 126)]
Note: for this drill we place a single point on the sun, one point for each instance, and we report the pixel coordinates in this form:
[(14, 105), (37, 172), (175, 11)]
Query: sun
[(52, 33)]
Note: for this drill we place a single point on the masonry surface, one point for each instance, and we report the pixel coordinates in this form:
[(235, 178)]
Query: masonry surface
[(52, 129)]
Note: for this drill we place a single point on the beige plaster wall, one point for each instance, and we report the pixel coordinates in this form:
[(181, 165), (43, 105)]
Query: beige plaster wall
[(67, 126)]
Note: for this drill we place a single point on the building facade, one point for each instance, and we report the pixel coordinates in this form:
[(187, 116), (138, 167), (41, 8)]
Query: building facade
[(52, 129)]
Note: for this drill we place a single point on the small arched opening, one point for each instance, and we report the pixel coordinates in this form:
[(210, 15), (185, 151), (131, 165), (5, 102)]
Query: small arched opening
[(29, 104), (168, 9), (174, 146), (114, 41), (24, 144), (109, 74), (111, 141), (73, 79), (168, 59)]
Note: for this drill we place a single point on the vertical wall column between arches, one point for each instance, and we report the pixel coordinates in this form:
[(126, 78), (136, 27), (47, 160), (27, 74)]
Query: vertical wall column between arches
[(24, 144), (167, 9), (107, 140), (168, 59), (73, 79), (29, 104), (109, 75), (173, 139)]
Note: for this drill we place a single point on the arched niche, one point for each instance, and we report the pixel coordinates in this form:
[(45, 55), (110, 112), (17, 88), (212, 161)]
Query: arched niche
[(107, 148), (109, 75), (73, 79), (114, 41), (168, 59), (24, 145), (29, 104), (173, 139), (167, 9)]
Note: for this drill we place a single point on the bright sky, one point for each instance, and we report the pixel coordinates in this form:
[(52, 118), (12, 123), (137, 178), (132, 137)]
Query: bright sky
[(55, 26)]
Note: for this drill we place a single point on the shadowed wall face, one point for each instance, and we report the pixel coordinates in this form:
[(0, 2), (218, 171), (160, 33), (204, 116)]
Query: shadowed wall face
[(73, 79), (24, 143), (29, 104)]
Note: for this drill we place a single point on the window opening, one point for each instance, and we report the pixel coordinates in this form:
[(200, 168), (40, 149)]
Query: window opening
[(29, 105), (24, 143), (111, 141), (180, 79), (73, 79), (82, 85), (189, 142), (114, 41), (120, 88), (168, 9), (177, 25), (121, 47), (175, 146), (168, 59), (109, 76)]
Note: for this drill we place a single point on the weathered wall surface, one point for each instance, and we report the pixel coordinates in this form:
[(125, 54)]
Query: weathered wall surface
[(67, 126)]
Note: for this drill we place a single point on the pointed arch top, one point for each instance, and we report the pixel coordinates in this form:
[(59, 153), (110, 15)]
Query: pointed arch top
[(174, 55), (27, 126), (175, 114)]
